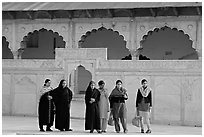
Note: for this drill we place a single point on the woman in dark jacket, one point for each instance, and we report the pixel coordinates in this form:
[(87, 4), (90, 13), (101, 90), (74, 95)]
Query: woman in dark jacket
[(117, 99), (144, 104), (46, 107), (62, 96), (92, 116)]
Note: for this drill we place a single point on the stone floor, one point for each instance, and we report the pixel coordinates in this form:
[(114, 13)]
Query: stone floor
[(14, 125)]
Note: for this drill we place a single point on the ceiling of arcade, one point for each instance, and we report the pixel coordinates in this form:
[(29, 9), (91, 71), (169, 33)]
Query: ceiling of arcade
[(103, 13)]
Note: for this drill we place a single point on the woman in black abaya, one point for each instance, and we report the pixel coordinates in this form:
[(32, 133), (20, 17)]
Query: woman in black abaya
[(92, 116), (62, 96)]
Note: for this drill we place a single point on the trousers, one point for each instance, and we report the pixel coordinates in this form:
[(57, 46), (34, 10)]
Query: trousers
[(119, 111)]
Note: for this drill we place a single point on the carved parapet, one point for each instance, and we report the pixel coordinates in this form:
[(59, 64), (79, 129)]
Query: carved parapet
[(81, 54), (31, 64), (149, 65)]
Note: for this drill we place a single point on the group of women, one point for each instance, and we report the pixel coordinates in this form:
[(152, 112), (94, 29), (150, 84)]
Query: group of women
[(98, 105)]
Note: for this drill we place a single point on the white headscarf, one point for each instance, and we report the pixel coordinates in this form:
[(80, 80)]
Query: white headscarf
[(145, 91)]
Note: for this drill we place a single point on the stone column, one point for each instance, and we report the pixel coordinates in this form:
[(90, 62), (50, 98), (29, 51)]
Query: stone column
[(72, 34), (76, 81), (132, 39), (199, 39), (15, 44)]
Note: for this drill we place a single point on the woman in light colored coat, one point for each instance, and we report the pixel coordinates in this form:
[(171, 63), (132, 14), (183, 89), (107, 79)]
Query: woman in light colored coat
[(103, 105)]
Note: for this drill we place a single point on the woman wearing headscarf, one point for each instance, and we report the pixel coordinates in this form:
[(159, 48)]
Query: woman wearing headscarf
[(92, 116), (117, 99), (144, 104), (103, 105), (62, 96), (46, 107)]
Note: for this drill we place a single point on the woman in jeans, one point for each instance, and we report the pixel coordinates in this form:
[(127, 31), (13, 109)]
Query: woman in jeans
[(144, 104)]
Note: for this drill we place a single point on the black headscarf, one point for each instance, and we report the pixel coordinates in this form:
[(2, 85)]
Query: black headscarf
[(60, 84), (89, 86), (47, 80)]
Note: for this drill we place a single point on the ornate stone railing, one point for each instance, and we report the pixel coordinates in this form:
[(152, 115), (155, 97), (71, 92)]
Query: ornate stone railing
[(81, 54), (156, 65), (31, 63)]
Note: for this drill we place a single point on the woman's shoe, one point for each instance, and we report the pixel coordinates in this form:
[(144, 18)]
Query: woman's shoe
[(99, 131), (60, 129), (68, 130), (103, 131), (91, 131), (48, 129), (148, 131), (42, 130), (125, 131), (142, 130)]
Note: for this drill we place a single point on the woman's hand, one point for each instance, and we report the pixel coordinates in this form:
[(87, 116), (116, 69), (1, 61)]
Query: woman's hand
[(49, 97), (92, 99), (150, 109)]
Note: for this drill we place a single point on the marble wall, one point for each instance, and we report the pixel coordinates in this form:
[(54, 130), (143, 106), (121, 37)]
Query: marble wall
[(176, 85)]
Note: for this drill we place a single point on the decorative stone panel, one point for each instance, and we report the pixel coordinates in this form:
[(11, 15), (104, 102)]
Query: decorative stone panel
[(167, 105), (25, 93), (192, 100), (6, 93)]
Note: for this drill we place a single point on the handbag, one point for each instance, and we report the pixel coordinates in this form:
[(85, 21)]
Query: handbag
[(136, 121), (111, 120)]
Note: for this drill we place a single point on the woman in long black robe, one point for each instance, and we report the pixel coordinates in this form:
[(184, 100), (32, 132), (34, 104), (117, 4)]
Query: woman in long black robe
[(92, 116), (46, 107), (62, 96)]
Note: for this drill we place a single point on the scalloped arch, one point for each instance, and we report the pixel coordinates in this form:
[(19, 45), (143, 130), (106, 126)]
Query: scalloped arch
[(83, 37), (30, 48), (155, 30), (6, 51), (149, 33), (123, 50), (84, 76), (42, 29)]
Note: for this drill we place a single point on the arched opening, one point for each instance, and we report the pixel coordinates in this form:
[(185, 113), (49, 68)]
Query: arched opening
[(167, 44), (41, 44), (106, 38), (79, 80), (6, 52)]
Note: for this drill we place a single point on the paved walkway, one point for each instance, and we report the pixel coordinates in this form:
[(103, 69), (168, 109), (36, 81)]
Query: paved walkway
[(29, 126)]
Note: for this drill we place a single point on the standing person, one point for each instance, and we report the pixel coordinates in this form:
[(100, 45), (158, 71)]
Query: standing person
[(46, 107), (144, 104), (62, 96), (118, 107), (103, 105), (92, 116)]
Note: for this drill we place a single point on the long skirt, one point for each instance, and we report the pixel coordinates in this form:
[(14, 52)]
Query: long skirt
[(45, 111)]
